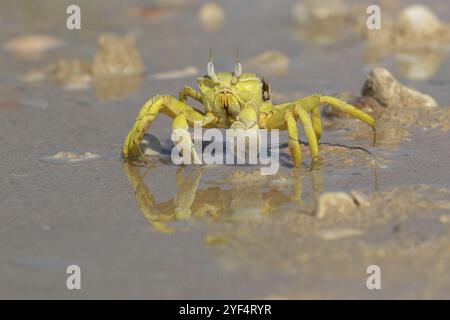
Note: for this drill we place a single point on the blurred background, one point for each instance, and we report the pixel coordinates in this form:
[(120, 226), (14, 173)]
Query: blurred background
[(69, 97), (306, 43)]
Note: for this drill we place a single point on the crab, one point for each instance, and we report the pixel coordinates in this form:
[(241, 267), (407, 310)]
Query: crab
[(237, 100)]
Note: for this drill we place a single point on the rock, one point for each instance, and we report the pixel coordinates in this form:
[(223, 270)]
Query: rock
[(416, 30), (334, 203), (340, 202), (382, 86), (211, 17), (418, 22), (320, 22), (117, 56), (72, 73), (116, 69)]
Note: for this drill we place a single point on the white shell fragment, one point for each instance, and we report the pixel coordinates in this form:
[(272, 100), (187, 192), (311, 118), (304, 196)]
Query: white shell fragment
[(336, 234), (31, 44), (64, 157)]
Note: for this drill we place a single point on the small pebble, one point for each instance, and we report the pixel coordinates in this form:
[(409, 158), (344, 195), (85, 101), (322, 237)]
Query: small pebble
[(215, 240), (335, 234)]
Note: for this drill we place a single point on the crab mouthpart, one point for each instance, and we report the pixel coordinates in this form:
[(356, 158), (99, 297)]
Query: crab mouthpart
[(229, 103)]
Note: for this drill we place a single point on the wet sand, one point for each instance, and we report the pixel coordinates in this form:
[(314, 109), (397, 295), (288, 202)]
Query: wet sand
[(243, 235)]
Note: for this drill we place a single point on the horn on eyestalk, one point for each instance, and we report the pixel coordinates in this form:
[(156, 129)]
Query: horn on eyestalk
[(210, 67), (237, 66)]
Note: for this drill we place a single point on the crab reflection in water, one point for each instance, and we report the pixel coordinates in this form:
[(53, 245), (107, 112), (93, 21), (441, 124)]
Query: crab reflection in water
[(244, 194)]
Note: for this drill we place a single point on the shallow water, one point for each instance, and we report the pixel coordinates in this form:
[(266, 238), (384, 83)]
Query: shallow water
[(218, 231)]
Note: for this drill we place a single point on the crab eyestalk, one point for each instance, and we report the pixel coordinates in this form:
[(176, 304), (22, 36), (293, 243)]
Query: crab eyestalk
[(210, 67)]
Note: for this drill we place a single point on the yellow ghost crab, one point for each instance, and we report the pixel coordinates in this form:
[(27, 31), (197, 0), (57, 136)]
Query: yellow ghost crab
[(237, 100)]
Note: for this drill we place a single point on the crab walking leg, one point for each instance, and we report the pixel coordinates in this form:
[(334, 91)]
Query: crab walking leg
[(189, 92), (146, 202), (309, 132), (166, 104), (297, 190), (314, 101), (187, 189), (283, 118), (316, 122), (182, 139), (290, 112), (294, 145), (351, 110)]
